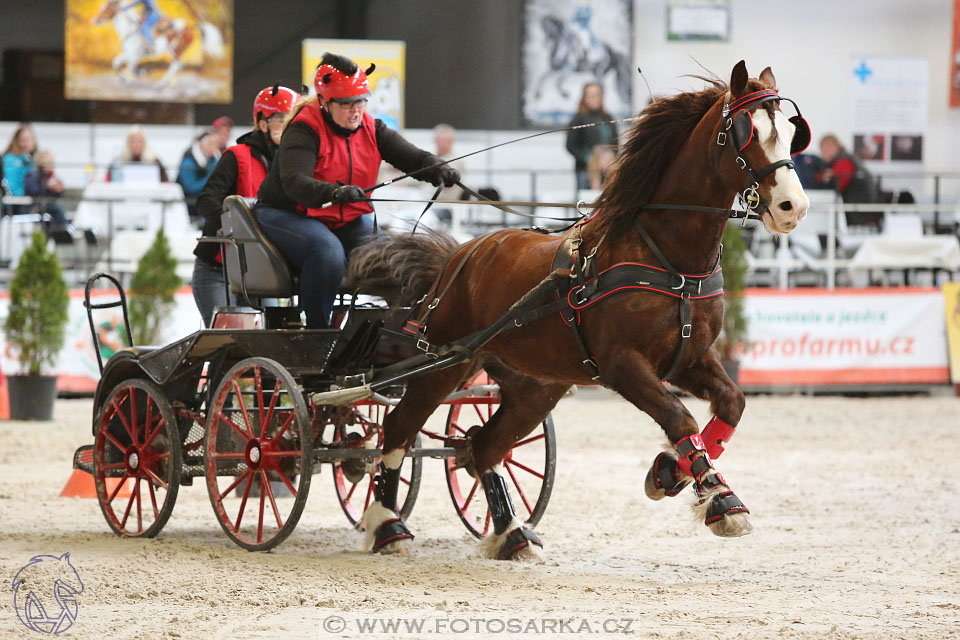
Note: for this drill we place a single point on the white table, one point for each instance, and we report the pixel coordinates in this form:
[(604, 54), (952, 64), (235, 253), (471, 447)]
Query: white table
[(116, 206), (927, 252)]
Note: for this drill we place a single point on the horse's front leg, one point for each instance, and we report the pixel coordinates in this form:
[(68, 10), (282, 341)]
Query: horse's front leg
[(385, 531), (633, 377)]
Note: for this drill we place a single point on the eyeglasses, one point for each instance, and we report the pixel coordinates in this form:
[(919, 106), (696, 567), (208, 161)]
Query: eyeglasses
[(351, 104)]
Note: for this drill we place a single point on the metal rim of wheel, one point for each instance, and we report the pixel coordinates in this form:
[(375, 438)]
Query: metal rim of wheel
[(257, 445), (136, 459), (349, 493), (529, 467)]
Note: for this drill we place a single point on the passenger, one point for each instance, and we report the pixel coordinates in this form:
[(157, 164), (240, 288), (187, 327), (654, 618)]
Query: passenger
[(330, 151), (240, 171)]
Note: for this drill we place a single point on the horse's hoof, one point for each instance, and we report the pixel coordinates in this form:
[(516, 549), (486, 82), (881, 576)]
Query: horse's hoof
[(520, 543), (662, 480), (727, 516), (395, 548), (731, 526)]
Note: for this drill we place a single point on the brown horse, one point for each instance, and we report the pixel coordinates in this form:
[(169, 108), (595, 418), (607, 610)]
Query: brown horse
[(676, 154)]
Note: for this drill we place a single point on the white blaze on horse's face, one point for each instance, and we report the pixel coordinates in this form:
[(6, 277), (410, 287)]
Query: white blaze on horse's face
[(787, 202)]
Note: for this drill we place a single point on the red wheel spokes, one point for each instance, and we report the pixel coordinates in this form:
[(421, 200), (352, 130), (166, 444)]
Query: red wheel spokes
[(366, 503), (263, 497), (258, 385), (235, 483), (139, 509), (273, 501), (153, 501), (229, 456), (466, 502), (243, 409), (133, 414), (243, 503), (155, 478), (523, 496), (290, 487), (273, 403), (283, 428), (118, 411), (119, 486), (114, 467), (525, 468), (126, 514), (529, 440), (233, 426)]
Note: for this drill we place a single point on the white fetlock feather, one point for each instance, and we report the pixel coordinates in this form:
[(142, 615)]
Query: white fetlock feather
[(731, 525), (375, 515), (492, 545)]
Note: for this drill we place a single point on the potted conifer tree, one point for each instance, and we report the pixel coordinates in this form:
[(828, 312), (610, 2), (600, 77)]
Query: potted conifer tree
[(151, 291), (34, 327), (732, 341)]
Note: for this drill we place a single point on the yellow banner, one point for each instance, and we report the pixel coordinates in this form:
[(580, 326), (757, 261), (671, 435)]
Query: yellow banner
[(951, 302), (386, 83)]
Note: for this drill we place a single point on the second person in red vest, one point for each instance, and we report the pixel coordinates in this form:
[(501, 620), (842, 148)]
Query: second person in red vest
[(330, 152), (240, 171)]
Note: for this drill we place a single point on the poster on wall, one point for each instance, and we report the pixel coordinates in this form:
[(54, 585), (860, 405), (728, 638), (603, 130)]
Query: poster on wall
[(149, 50), (386, 82), (955, 58), (698, 20), (568, 43), (889, 107)]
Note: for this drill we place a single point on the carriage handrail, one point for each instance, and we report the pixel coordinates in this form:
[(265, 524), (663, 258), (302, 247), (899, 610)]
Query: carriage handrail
[(122, 303)]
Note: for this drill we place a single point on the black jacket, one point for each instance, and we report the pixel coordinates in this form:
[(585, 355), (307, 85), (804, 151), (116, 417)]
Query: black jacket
[(223, 183), (290, 181), (580, 142)]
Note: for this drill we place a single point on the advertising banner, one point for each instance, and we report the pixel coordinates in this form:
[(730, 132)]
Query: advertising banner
[(848, 336), (77, 362), (955, 58), (889, 107), (149, 50), (951, 304), (387, 81)]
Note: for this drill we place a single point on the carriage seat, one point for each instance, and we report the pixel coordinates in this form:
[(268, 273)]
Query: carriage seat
[(263, 272)]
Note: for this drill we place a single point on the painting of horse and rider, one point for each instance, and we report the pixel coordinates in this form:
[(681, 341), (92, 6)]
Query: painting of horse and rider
[(143, 50)]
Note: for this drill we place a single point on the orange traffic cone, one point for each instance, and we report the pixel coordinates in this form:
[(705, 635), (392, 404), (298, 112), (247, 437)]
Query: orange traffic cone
[(4, 398), (81, 485)]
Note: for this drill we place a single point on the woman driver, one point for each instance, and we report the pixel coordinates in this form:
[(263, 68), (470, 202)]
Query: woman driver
[(330, 152)]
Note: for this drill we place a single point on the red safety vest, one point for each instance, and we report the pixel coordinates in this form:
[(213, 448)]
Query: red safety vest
[(351, 160), (250, 171)]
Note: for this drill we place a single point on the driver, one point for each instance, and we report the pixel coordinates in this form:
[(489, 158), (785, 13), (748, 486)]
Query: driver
[(330, 151)]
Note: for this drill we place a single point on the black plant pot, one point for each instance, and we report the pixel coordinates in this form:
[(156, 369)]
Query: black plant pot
[(32, 397), (732, 367)]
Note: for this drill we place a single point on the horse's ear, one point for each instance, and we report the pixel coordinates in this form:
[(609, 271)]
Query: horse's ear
[(738, 80), (766, 77)]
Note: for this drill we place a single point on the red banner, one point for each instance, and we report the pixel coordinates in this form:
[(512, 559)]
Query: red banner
[(955, 57)]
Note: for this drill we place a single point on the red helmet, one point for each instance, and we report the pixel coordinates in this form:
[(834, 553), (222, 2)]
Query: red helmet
[(275, 99), (339, 77)]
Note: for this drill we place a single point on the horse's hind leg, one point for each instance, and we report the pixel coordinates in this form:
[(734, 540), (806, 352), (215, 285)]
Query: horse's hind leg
[(636, 381), (385, 531), (707, 380), (525, 403)]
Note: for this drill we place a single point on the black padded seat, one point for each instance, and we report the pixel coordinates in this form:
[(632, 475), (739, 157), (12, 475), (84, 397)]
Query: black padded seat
[(263, 272)]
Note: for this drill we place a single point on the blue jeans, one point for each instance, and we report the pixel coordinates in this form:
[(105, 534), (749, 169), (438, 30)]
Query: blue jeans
[(317, 252), (208, 289)]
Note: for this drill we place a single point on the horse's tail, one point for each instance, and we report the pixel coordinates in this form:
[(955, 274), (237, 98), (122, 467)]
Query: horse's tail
[(399, 267)]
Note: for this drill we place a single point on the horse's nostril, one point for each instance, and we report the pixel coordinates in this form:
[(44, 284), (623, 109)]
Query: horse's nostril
[(786, 205)]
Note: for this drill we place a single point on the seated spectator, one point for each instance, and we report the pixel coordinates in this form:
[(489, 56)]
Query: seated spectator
[(135, 151), (843, 172), (18, 159), (808, 167), (45, 187), (198, 162), (222, 127), (443, 138)]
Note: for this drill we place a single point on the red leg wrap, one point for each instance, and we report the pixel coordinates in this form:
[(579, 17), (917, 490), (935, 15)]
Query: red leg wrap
[(692, 457), (716, 434)]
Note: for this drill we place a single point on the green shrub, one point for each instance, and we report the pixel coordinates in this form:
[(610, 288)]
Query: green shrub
[(39, 300), (733, 338), (151, 291)]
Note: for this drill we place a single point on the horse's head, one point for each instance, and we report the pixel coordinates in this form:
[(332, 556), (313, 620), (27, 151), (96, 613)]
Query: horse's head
[(106, 12), (761, 139)]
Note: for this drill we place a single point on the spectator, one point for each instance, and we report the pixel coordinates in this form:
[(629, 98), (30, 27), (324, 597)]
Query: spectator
[(45, 187), (843, 172), (135, 151), (198, 162), (222, 127), (18, 159), (808, 167), (580, 142)]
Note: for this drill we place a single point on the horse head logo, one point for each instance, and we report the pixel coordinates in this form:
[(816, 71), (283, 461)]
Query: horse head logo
[(45, 594)]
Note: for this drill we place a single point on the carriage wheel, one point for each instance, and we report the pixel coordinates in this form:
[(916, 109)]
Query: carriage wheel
[(530, 466), (136, 459), (257, 445), (353, 480)]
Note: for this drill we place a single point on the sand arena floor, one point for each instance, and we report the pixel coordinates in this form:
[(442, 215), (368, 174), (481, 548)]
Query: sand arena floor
[(856, 514)]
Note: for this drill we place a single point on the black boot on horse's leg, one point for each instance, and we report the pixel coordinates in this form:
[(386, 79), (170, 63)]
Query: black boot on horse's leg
[(664, 479), (721, 510), (385, 531), (510, 540)]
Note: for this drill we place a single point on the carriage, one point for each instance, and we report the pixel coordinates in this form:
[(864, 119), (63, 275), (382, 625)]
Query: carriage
[(251, 406)]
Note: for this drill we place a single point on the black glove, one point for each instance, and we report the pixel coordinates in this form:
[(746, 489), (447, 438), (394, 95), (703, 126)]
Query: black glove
[(443, 173), (348, 193)]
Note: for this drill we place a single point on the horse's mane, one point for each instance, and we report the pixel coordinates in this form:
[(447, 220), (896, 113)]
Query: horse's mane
[(652, 144)]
